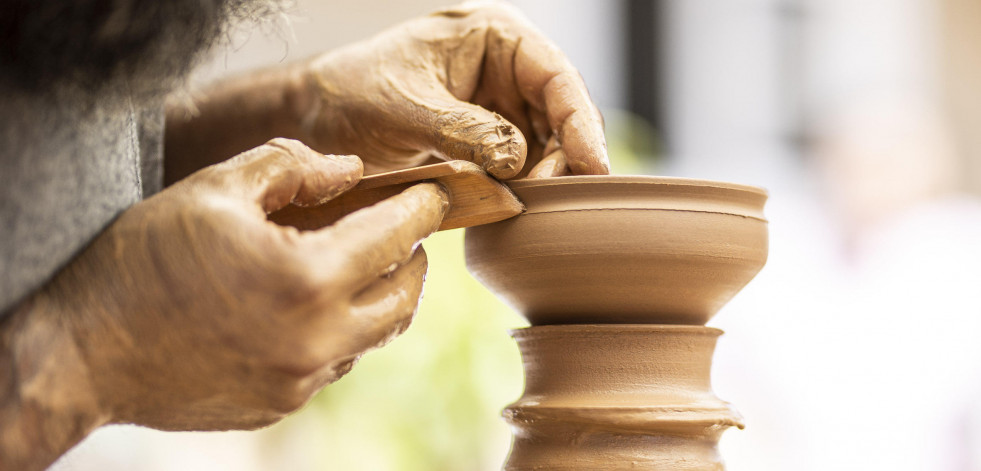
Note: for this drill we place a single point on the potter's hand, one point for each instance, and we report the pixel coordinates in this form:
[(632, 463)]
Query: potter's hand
[(225, 320), (193, 312), (436, 85)]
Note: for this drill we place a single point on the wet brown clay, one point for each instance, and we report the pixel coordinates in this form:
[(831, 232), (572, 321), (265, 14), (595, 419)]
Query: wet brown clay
[(604, 397), (622, 249), (605, 268)]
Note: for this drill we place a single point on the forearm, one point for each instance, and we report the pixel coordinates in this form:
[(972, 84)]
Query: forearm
[(47, 404), (235, 115)]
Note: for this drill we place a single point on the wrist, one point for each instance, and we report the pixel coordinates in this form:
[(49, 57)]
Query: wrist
[(47, 404)]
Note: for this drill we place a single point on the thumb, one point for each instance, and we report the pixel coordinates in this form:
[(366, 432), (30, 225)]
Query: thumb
[(457, 130)]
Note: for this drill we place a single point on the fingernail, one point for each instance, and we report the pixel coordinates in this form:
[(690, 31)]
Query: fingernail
[(543, 171), (503, 161), (337, 189), (605, 159), (502, 149), (444, 196)]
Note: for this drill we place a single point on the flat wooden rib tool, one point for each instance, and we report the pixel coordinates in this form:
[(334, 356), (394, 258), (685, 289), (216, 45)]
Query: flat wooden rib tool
[(475, 197)]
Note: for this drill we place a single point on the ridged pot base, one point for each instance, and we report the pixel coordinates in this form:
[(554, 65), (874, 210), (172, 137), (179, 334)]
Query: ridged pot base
[(605, 397)]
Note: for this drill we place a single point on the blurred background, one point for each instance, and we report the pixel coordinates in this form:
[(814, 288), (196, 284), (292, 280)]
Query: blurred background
[(856, 347)]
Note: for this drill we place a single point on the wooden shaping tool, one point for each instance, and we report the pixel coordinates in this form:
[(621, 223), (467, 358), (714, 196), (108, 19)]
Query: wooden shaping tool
[(475, 197)]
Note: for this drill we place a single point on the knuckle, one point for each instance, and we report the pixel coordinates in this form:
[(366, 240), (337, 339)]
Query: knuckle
[(300, 286), (403, 254), (284, 143), (301, 361), (400, 322), (277, 389), (290, 289), (290, 398), (309, 300), (406, 313), (404, 324), (344, 365), (283, 148), (315, 282), (300, 366), (404, 309)]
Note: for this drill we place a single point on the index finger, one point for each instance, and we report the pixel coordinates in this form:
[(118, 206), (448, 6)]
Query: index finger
[(547, 79), (373, 241)]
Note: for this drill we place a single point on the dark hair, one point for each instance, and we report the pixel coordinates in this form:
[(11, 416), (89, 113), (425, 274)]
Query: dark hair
[(90, 43)]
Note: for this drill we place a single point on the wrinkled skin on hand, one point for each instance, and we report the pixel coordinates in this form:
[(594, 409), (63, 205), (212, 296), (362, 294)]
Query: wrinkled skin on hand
[(476, 82), (193, 312)]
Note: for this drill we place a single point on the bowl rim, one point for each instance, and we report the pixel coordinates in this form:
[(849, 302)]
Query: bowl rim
[(634, 179), (638, 192)]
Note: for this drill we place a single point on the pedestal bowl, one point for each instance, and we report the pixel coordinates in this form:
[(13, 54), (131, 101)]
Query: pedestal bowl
[(622, 249)]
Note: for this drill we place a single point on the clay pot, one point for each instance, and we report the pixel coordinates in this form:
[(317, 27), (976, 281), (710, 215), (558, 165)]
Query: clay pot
[(622, 249), (603, 397)]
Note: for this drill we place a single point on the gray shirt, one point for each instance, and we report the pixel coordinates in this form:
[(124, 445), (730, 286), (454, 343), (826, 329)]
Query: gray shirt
[(68, 168)]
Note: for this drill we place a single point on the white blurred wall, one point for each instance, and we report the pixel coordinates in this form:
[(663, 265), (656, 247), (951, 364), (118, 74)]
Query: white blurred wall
[(724, 117), (591, 33), (854, 348)]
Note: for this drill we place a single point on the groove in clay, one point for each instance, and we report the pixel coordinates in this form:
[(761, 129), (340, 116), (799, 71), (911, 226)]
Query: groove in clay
[(637, 192)]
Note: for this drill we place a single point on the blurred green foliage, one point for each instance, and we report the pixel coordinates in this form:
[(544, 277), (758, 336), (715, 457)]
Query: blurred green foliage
[(634, 145)]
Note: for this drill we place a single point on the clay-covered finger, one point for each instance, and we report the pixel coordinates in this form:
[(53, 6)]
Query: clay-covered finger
[(385, 308), (457, 130), (553, 165), (284, 171), (551, 146), (378, 314), (544, 161), (373, 241), (498, 90), (547, 79)]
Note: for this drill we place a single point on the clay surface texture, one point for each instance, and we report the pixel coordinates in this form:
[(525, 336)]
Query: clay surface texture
[(618, 275), (622, 249), (602, 396)]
